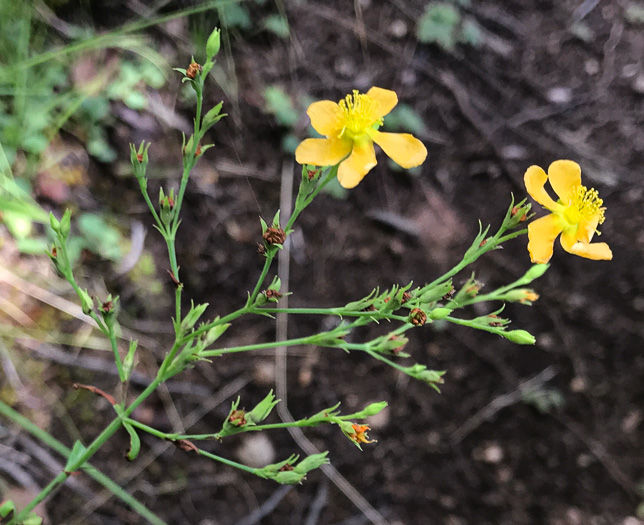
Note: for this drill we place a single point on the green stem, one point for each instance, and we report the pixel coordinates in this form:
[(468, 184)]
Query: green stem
[(291, 221), (154, 213), (174, 268), (98, 442), (382, 358), (471, 324), (71, 280), (167, 361), (153, 431), (262, 346), (466, 261), (117, 357), (341, 312), (228, 462), (226, 319), (174, 437), (262, 277)]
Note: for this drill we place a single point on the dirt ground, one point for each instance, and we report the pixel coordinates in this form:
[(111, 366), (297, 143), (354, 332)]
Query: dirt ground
[(566, 448)]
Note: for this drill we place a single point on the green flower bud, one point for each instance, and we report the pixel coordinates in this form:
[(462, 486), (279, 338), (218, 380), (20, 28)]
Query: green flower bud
[(371, 410), (66, 223), (288, 477), (213, 116), (213, 44), (535, 271), (519, 295), (439, 313), (435, 293), (55, 224), (214, 333), (520, 337), (312, 462), (87, 303), (431, 377), (262, 410), (193, 316)]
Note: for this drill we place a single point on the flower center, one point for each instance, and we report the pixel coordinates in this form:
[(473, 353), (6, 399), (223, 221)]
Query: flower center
[(359, 112), (584, 205)]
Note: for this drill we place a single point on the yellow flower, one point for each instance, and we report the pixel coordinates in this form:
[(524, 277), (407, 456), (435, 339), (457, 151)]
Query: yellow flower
[(575, 215), (351, 127)]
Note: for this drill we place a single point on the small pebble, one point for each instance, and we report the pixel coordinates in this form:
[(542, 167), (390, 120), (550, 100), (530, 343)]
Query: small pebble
[(256, 450), (559, 95)]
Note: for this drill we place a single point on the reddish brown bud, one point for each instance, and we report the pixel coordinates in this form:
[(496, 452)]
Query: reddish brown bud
[(417, 317), (261, 249), (370, 308), (193, 69), (400, 348), (286, 468), (198, 150), (495, 323), (514, 212), (274, 235), (107, 307), (483, 242), (139, 157), (272, 294), (238, 418), (54, 252), (406, 296), (311, 174)]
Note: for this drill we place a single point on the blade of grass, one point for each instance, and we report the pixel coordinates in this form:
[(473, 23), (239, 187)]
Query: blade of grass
[(93, 472)]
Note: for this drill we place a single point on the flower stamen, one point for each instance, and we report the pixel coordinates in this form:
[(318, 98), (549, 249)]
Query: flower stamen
[(358, 111), (584, 205)]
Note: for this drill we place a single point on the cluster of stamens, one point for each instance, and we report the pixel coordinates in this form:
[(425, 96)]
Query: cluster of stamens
[(358, 112), (585, 205)]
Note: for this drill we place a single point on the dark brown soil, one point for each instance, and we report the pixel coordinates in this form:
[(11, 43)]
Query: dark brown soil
[(481, 452)]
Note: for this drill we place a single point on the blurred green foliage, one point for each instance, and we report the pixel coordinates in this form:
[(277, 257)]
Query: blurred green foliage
[(445, 24), (40, 96)]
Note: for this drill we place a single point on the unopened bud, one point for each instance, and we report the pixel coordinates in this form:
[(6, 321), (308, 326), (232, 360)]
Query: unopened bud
[(54, 223), (439, 313), (520, 337), (371, 410), (213, 44), (520, 295)]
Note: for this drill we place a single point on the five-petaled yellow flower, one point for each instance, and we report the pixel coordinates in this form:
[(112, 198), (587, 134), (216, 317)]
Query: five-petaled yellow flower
[(351, 127), (575, 215)]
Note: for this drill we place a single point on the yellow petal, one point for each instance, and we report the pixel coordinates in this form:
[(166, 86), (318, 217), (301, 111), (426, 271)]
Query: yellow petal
[(534, 179), (587, 229), (596, 251), (404, 149), (541, 237), (385, 99), (564, 176), (322, 152), (359, 163), (325, 117)]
